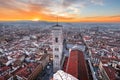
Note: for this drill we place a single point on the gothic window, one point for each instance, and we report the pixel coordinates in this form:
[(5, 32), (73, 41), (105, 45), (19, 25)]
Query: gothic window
[(56, 40), (56, 56), (56, 49)]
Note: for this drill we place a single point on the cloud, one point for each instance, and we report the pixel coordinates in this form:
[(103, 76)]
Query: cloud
[(61, 8), (97, 2), (69, 8), (13, 4)]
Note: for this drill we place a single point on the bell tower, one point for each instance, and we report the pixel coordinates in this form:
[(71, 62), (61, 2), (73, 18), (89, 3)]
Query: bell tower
[(57, 42)]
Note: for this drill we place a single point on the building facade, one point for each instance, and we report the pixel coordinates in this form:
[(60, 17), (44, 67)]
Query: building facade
[(57, 39)]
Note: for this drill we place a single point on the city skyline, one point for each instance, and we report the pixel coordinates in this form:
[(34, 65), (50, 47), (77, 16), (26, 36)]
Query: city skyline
[(65, 10)]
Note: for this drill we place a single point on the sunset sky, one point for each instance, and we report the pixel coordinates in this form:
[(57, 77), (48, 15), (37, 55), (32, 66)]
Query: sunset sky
[(65, 10)]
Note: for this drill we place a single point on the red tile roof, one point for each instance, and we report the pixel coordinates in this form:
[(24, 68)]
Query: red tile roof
[(77, 65), (65, 64), (110, 72), (27, 70), (5, 76), (23, 72), (2, 78), (5, 68)]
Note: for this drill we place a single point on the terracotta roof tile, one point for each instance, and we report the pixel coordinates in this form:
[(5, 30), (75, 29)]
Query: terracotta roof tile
[(110, 72), (76, 65)]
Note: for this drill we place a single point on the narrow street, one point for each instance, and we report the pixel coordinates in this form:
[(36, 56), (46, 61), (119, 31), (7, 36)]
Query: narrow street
[(47, 73)]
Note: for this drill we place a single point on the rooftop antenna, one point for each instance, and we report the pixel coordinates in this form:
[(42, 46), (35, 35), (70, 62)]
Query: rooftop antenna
[(57, 20), (57, 16)]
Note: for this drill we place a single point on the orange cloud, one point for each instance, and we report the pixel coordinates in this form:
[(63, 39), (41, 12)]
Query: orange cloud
[(12, 10), (11, 15)]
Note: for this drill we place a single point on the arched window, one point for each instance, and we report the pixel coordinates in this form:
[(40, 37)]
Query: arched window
[(56, 49), (56, 56), (56, 40)]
